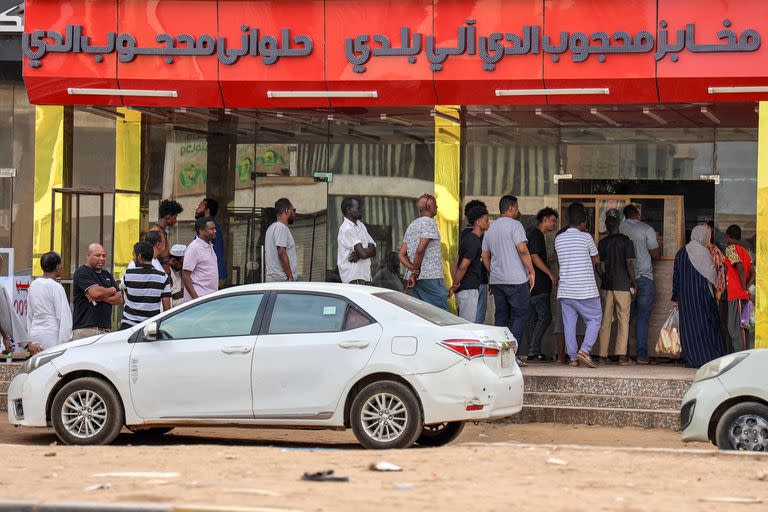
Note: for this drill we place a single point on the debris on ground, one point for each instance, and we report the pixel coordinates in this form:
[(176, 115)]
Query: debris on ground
[(324, 476), (136, 474), (732, 500), (404, 486), (383, 465), (762, 475), (556, 462), (255, 492), (97, 487), (49, 454)]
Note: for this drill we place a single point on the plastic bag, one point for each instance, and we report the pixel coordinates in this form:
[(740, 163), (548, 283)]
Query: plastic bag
[(748, 315), (669, 337)]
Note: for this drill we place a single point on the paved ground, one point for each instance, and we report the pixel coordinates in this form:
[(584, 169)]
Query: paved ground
[(490, 467)]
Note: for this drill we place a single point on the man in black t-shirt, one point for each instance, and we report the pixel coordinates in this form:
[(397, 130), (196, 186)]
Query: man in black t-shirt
[(94, 292), (540, 309), (468, 275), (617, 256)]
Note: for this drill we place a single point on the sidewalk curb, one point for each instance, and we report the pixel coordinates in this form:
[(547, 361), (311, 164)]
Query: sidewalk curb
[(84, 506)]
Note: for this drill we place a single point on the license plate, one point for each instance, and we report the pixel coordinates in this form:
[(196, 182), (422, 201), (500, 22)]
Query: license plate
[(506, 358)]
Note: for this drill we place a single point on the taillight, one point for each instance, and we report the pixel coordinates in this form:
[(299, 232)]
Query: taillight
[(470, 349)]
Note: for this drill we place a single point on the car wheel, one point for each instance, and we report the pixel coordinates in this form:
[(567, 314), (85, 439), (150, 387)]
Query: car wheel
[(440, 434), (744, 427), (386, 415), (150, 431), (87, 411)]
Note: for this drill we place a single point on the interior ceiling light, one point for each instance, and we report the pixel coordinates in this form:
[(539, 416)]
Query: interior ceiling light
[(503, 121), (548, 117), (435, 113), (737, 90), (654, 116), (197, 115), (602, 116), (322, 94), (395, 119), (553, 92), (121, 92), (709, 115)]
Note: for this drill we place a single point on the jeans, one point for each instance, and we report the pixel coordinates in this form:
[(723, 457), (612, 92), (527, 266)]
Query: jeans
[(466, 300), (512, 301), (482, 303), (431, 291), (539, 318), (591, 312), (641, 311)]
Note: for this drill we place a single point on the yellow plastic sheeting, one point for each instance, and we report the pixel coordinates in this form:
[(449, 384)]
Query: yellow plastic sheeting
[(447, 181), (127, 178), (761, 256), (49, 173)]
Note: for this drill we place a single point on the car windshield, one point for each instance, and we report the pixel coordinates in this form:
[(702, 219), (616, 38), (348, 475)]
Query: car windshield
[(421, 309)]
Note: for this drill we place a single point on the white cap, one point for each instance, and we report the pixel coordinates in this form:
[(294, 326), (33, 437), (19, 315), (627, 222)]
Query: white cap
[(178, 250)]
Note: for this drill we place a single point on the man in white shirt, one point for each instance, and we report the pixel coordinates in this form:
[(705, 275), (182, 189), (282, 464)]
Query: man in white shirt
[(280, 257), (49, 319), (577, 291), (355, 245), (156, 240), (176, 263)]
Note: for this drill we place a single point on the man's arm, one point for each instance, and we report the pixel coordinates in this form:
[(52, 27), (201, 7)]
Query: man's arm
[(100, 293), (186, 280), (362, 253), (631, 272), (522, 250), (742, 275), (403, 257), (539, 263), (655, 254), (114, 300), (459, 275), (420, 250), (282, 256), (485, 256), (166, 303)]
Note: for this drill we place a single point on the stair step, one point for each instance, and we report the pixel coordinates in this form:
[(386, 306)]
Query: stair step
[(601, 401), (9, 370), (4, 401), (620, 386), (668, 419)]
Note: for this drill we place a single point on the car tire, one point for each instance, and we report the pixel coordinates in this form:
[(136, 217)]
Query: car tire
[(399, 423), (440, 434), (87, 411), (743, 427), (149, 432)]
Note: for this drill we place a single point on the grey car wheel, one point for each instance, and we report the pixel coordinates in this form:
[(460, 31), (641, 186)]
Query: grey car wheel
[(744, 427), (87, 411), (386, 414)]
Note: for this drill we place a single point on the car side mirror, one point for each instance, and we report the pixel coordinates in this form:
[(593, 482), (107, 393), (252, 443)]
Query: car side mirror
[(150, 331)]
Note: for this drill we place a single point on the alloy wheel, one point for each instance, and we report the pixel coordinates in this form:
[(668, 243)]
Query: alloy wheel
[(84, 414), (384, 417), (749, 432)]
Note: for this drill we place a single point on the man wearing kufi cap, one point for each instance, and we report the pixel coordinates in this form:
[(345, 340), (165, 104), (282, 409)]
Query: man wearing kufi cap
[(175, 262)]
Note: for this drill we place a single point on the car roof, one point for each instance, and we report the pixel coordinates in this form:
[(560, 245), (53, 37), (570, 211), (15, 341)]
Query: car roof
[(332, 288)]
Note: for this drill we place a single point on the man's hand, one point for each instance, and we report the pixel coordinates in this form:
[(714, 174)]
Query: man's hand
[(411, 282), (34, 348), (553, 278), (452, 290), (353, 257), (531, 280), (675, 305)]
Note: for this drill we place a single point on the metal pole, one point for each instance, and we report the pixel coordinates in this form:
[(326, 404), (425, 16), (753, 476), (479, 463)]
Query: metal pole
[(77, 229)]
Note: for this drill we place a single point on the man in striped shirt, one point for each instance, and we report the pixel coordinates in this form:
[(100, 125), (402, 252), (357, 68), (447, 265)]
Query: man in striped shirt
[(147, 290), (577, 292)]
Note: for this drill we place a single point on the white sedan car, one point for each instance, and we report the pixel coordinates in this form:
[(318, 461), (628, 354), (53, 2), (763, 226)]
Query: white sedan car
[(396, 370), (728, 403)]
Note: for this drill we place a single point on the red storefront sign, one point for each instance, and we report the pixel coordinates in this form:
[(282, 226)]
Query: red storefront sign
[(314, 53)]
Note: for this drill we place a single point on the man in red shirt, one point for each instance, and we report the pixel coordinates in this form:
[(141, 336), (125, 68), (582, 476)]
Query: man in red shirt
[(740, 277)]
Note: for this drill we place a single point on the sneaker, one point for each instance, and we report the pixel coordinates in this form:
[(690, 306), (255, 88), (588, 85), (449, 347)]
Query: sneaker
[(584, 358), (539, 358), (574, 364), (520, 362)]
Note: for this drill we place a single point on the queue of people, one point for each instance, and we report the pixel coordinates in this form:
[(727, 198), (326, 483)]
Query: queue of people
[(499, 258)]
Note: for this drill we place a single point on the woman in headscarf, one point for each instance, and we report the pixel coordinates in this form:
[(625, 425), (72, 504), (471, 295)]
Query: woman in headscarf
[(695, 284)]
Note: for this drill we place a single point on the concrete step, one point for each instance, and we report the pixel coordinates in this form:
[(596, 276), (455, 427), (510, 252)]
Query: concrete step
[(8, 370), (618, 386), (644, 418), (3, 402), (601, 401)]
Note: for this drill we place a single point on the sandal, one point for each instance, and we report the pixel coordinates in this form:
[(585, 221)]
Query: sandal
[(584, 358)]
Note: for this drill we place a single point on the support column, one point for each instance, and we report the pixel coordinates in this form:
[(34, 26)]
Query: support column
[(53, 169), (447, 182), (220, 185), (761, 251), (127, 218)]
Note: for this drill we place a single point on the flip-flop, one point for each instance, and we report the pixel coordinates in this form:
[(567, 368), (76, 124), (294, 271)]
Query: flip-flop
[(324, 476)]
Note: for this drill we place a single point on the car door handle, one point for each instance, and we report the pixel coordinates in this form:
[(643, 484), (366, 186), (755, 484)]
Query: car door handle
[(353, 344), (236, 350)]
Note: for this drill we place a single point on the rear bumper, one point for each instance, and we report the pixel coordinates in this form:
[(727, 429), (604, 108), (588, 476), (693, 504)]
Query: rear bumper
[(445, 395), (699, 403)]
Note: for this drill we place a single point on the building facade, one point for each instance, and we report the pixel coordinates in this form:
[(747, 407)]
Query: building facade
[(117, 105)]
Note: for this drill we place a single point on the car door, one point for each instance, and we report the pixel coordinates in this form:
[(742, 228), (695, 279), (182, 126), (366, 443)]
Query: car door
[(200, 365), (310, 348)]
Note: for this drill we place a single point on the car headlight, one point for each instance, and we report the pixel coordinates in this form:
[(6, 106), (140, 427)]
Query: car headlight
[(719, 366), (36, 361)]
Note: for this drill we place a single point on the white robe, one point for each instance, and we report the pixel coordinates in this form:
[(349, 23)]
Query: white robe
[(49, 319)]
